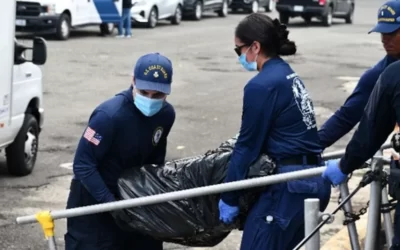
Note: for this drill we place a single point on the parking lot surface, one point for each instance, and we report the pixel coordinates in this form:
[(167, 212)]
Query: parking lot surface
[(207, 96)]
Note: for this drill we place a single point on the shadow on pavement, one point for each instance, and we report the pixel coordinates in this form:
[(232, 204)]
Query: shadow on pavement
[(313, 24), (75, 34), (3, 168)]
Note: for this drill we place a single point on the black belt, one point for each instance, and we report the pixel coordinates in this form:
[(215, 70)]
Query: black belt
[(300, 160)]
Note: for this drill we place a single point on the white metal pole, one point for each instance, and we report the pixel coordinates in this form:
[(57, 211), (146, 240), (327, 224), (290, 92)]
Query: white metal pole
[(374, 205), (178, 195), (52, 243), (387, 219), (351, 227), (311, 221)]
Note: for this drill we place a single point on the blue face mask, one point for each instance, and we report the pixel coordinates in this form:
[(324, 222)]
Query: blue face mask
[(250, 66), (148, 106)]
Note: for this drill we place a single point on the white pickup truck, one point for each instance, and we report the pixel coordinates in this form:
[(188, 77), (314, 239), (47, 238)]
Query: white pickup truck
[(61, 16), (21, 96)]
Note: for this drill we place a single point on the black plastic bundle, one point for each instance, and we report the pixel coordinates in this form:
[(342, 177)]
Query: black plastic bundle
[(190, 222)]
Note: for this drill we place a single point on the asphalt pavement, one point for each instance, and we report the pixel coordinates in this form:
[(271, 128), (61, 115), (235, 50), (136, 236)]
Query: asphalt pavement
[(207, 95)]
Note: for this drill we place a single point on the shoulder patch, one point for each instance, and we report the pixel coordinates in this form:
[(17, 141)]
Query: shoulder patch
[(304, 103), (157, 135), (92, 136)]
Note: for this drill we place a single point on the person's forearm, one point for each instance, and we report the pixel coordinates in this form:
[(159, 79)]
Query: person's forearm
[(334, 129), (92, 181), (363, 145), (256, 122), (343, 121), (237, 170), (349, 114), (348, 164), (376, 124), (158, 155)]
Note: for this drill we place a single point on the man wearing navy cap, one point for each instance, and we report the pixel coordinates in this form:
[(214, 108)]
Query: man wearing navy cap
[(388, 18), (350, 113), (127, 130), (379, 117)]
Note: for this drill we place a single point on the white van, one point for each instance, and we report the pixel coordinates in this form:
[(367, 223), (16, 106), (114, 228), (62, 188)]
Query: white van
[(21, 96), (60, 16)]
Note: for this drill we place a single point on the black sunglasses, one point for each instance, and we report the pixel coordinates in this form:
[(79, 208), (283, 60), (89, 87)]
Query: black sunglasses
[(238, 49)]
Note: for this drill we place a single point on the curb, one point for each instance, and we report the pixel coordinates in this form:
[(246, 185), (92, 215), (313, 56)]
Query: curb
[(341, 241)]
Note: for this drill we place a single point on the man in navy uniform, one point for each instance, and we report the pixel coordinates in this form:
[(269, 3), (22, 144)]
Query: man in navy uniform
[(379, 118), (127, 130), (350, 113)]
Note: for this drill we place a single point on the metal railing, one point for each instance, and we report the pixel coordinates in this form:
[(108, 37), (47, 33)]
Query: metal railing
[(378, 199), (314, 219)]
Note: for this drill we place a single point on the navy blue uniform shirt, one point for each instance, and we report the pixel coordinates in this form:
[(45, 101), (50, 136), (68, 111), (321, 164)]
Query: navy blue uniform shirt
[(350, 113), (278, 119), (118, 137), (378, 120)]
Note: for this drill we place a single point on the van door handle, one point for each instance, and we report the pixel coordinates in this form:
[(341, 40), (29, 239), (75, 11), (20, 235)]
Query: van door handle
[(28, 74)]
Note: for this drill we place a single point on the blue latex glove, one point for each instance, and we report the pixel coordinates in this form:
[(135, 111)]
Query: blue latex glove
[(333, 172), (227, 213)]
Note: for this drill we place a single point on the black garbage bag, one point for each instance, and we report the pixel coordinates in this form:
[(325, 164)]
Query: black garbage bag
[(190, 222)]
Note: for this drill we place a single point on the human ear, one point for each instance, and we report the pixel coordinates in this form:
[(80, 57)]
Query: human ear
[(256, 47)]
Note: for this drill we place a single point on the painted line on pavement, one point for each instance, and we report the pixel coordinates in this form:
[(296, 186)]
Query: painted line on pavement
[(67, 165)]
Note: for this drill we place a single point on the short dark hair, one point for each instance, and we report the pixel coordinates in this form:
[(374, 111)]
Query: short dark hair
[(271, 34)]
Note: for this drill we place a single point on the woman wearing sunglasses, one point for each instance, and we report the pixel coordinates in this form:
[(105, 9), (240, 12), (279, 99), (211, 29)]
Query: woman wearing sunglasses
[(278, 119)]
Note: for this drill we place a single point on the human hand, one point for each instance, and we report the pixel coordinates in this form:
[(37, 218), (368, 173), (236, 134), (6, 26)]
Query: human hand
[(333, 172), (227, 213)]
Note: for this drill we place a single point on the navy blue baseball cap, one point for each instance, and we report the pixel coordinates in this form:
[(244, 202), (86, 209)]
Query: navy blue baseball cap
[(153, 72), (388, 17)]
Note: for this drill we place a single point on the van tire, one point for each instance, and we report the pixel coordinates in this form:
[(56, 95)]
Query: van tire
[(63, 28), (107, 29), (18, 163)]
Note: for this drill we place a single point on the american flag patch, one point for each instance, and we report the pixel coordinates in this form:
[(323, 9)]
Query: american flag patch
[(92, 136)]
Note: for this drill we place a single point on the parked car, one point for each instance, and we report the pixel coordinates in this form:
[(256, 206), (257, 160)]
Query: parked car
[(59, 17), (194, 9), (324, 10), (252, 6), (149, 12)]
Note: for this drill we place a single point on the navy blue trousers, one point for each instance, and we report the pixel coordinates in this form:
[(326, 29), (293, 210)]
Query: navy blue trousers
[(284, 204), (396, 238), (99, 231)]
